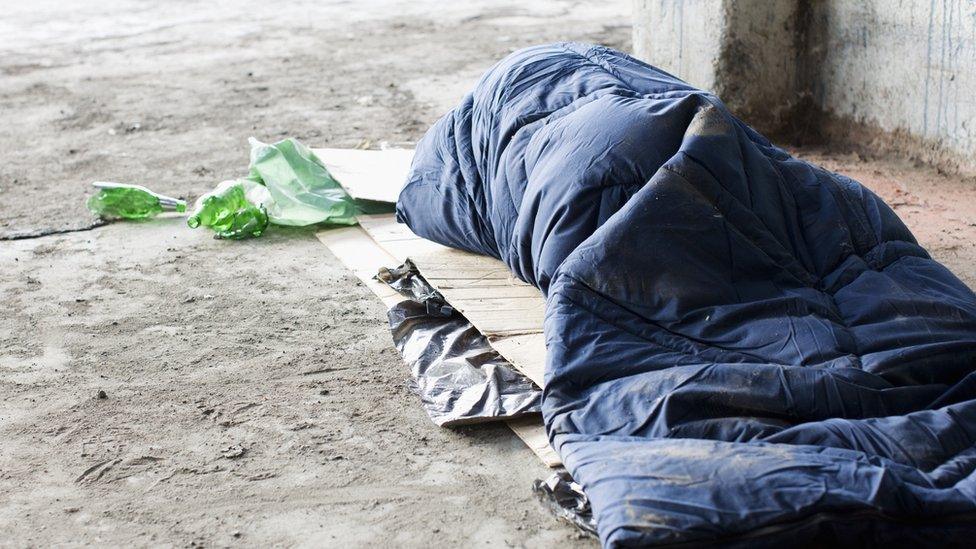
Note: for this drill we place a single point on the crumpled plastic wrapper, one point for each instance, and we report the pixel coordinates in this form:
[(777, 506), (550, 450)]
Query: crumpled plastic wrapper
[(565, 498), (459, 377)]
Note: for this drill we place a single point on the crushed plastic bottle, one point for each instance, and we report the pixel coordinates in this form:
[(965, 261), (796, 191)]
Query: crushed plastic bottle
[(121, 201), (234, 210)]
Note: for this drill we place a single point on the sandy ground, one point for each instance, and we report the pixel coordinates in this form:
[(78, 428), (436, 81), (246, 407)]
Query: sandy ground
[(253, 396)]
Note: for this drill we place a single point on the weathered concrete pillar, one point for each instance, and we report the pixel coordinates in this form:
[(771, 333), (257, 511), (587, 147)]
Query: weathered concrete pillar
[(904, 71), (898, 74), (743, 50), (683, 38)]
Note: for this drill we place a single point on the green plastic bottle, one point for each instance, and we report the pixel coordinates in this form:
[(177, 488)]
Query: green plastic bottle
[(121, 201), (229, 213)]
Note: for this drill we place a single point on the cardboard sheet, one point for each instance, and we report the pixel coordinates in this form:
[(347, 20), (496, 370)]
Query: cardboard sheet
[(368, 175), (506, 310)]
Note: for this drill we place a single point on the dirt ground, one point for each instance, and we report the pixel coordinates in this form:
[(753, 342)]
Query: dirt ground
[(252, 393)]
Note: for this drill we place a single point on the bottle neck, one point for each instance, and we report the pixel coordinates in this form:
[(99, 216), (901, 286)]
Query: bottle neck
[(172, 204)]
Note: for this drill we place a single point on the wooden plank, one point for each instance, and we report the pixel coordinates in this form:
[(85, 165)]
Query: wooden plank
[(368, 175), (364, 257), (384, 228), (397, 238), (503, 304), (502, 307), (526, 352), (498, 292), (498, 325), (533, 433)]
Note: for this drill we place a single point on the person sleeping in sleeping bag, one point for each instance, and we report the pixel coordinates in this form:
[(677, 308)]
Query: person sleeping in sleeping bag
[(742, 347)]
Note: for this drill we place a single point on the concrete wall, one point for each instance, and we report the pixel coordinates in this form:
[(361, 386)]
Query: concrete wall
[(898, 73), (906, 67), (683, 38), (725, 46)]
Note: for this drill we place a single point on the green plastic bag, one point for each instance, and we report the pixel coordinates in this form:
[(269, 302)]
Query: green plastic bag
[(303, 192)]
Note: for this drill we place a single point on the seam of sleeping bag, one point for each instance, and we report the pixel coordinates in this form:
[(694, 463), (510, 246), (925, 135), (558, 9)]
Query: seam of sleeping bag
[(668, 334), (811, 281), (625, 85), (798, 276), (604, 51), (590, 56), (597, 55), (868, 256), (478, 209)]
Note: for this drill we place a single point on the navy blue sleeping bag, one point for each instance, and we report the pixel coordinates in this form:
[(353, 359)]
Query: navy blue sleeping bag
[(742, 347)]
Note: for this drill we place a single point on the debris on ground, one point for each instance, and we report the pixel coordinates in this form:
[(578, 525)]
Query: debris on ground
[(287, 184), (233, 452), (566, 499), (302, 190)]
